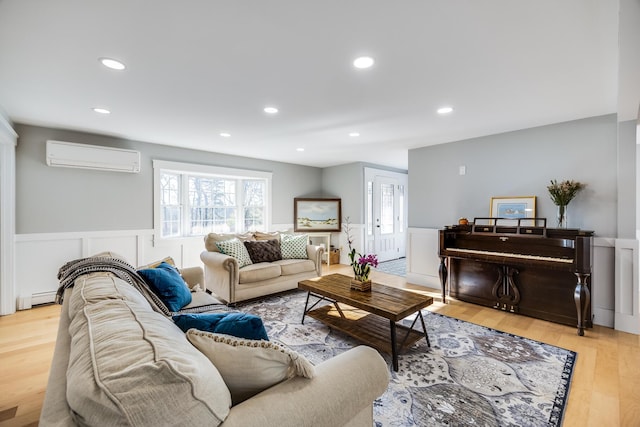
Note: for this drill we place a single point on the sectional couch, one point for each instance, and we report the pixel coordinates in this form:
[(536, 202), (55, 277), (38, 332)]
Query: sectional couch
[(119, 360)]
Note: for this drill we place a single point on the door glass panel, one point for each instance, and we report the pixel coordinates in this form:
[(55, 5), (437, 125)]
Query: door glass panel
[(386, 208), (400, 208), (369, 208)]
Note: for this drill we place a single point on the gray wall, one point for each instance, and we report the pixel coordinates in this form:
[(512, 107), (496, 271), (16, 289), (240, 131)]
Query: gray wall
[(520, 163), (345, 182), (50, 199), (627, 179)]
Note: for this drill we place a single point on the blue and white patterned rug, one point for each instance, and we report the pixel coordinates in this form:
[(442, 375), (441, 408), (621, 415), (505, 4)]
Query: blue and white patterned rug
[(471, 375), (397, 267)]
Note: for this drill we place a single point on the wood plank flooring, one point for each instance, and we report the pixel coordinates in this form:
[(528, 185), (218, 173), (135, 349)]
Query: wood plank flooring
[(605, 390)]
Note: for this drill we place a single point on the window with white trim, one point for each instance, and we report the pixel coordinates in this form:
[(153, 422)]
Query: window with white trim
[(193, 200)]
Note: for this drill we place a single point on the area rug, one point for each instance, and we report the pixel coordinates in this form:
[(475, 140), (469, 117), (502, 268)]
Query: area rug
[(471, 375), (397, 267)]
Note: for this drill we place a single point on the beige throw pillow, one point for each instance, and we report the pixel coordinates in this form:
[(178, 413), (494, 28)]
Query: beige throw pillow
[(249, 366), (211, 239)]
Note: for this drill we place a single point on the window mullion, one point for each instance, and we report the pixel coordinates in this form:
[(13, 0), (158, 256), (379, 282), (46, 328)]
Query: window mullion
[(240, 205), (185, 207)]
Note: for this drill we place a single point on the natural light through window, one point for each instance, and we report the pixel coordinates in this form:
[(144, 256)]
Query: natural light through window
[(193, 200)]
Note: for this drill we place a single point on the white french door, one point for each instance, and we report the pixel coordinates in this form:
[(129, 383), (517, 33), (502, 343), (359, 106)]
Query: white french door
[(386, 213)]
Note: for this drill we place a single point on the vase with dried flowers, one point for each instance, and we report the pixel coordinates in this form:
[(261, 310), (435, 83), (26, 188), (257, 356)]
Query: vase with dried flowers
[(562, 193), (361, 264)]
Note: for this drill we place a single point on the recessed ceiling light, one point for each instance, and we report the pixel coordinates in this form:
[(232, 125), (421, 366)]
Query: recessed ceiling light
[(354, 134), (300, 149), (225, 134), (445, 110), (270, 110), (101, 110), (363, 62), (112, 63)]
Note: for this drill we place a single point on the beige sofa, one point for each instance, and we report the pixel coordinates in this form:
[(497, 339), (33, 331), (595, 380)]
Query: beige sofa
[(118, 361), (232, 283)]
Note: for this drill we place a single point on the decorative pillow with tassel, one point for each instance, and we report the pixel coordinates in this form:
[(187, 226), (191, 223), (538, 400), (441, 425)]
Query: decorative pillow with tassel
[(250, 366)]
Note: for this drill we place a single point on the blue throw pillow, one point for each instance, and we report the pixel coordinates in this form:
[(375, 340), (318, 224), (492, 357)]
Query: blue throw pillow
[(167, 283), (241, 325)]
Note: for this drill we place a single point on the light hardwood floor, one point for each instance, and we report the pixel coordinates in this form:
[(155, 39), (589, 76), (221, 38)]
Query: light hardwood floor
[(605, 390)]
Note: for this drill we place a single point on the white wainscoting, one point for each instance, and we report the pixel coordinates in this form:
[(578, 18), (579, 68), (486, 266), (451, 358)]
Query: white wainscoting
[(423, 261), (423, 264), (602, 282), (627, 317), (39, 256)]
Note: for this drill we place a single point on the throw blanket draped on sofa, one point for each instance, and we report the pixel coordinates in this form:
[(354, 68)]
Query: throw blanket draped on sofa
[(69, 272)]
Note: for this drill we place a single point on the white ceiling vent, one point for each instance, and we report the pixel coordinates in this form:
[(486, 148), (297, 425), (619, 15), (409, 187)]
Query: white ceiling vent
[(72, 155)]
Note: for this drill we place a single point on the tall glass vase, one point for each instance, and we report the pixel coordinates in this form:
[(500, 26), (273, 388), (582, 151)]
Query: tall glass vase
[(562, 216)]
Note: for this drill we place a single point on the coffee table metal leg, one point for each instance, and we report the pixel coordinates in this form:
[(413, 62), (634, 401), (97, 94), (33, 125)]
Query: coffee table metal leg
[(394, 350), (304, 313), (424, 328)]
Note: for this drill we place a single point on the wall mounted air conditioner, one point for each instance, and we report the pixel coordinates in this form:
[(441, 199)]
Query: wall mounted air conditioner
[(72, 155)]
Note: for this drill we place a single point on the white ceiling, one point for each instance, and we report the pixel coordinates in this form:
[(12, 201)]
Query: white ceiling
[(200, 67)]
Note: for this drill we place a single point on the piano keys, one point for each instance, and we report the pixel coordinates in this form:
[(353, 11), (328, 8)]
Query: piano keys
[(531, 270)]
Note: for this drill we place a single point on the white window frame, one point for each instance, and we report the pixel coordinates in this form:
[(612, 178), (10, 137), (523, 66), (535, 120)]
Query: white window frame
[(160, 166)]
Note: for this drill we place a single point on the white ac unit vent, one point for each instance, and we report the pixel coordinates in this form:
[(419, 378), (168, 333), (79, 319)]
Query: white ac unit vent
[(72, 155)]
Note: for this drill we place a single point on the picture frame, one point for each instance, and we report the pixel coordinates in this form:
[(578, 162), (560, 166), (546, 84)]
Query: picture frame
[(513, 207), (317, 215)]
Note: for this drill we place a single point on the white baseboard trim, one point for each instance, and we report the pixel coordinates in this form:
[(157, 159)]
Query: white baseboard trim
[(424, 280), (43, 298)]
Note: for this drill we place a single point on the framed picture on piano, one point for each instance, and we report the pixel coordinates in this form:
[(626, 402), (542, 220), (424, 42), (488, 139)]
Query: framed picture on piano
[(513, 207)]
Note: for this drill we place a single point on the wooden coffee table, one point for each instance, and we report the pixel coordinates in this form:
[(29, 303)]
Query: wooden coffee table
[(362, 314)]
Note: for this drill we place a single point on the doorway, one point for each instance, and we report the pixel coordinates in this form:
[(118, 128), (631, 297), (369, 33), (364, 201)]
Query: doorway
[(386, 213)]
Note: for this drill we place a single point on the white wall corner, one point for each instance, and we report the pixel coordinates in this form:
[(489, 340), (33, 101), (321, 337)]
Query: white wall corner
[(8, 141), (627, 295), (423, 261)]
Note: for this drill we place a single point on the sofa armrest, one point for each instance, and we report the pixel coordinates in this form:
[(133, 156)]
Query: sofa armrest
[(315, 253), (220, 274), (55, 408), (193, 276), (343, 387)]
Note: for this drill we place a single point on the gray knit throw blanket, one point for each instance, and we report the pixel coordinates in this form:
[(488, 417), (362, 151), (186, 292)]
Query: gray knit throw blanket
[(69, 272)]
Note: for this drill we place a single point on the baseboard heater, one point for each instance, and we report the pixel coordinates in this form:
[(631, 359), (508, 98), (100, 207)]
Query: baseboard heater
[(27, 302), (96, 157)]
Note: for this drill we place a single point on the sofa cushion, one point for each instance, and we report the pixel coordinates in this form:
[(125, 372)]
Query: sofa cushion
[(100, 286), (264, 235), (211, 239), (294, 246), (295, 266), (132, 366), (201, 298), (166, 282), (236, 249), (169, 260), (241, 325), (258, 272), (250, 366), (264, 250)]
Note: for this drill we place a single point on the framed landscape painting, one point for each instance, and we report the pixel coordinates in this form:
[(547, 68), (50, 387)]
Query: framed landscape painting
[(317, 215), (513, 207)]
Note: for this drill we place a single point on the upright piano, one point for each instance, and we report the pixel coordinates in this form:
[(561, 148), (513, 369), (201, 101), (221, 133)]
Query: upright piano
[(520, 266)]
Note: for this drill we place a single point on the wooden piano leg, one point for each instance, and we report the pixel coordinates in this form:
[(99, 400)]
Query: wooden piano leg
[(442, 271), (582, 297)]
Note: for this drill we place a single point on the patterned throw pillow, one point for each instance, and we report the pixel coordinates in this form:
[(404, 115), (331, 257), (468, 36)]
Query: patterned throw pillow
[(250, 366), (236, 249), (264, 251), (294, 246)]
